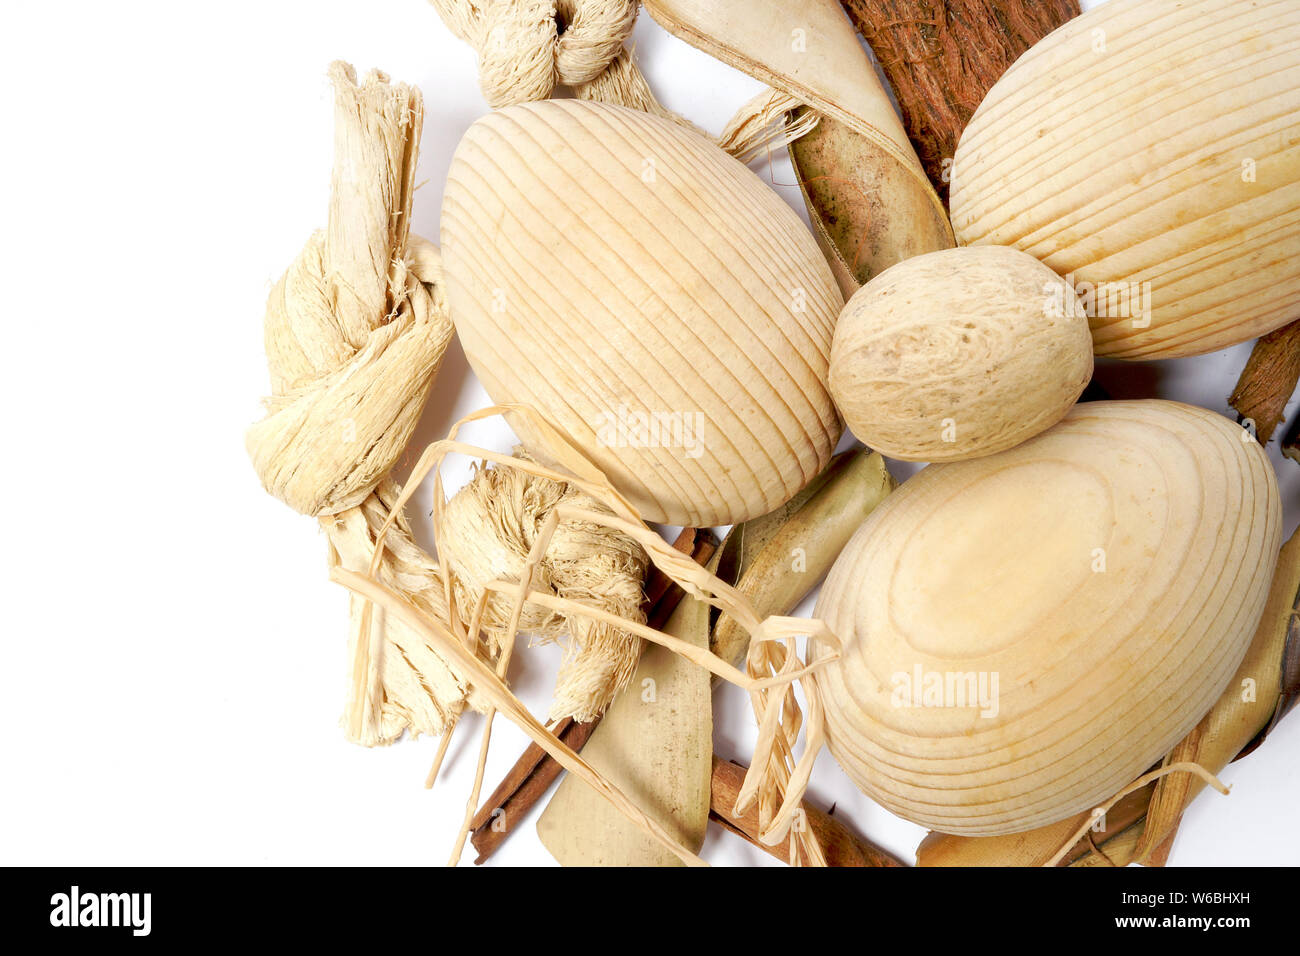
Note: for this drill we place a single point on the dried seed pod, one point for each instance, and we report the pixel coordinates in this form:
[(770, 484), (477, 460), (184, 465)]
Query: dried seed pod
[(868, 197), (777, 559), (866, 209), (1147, 151), (650, 296), (1025, 633), (959, 353)]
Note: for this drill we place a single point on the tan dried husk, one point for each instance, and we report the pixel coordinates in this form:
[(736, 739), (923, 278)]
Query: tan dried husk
[(354, 333), (414, 690), (357, 326), (656, 742), (832, 74)]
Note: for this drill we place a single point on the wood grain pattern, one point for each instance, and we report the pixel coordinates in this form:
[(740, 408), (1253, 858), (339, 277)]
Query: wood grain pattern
[(1151, 141), (1110, 572), (603, 264), (959, 353)]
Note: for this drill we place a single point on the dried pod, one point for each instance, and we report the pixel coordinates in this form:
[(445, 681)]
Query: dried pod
[(1147, 152), (808, 50), (959, 353), (868, 197), (866, 209), (652, 297), (1025, 633)]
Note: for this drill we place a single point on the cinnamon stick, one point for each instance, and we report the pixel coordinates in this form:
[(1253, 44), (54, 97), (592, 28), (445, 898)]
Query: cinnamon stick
[(534, 772), (1269, 380), (525, 784), (841, 845), (942, 56)]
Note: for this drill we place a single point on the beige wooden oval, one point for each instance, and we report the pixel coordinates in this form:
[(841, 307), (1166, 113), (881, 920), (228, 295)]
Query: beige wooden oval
[(1110, 572), (651, 296), (1149, 151), (959, 353)]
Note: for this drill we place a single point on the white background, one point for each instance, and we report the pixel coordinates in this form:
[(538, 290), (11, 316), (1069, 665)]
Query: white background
[(173, 660)]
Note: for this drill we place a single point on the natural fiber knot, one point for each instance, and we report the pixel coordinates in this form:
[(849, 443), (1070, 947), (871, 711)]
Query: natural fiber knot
[(407, 685), (357, 326), (528, 47), (487, 531), (355, 331)]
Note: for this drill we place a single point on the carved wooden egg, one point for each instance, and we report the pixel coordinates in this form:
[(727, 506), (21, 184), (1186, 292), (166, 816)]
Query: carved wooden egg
[(1027, 633), (652, 297), (1149, 152), (959, 353)]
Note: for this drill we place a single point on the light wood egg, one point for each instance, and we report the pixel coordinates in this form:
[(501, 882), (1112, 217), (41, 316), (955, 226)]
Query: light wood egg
[(1149, 151), (1026, 633), (652, 297)]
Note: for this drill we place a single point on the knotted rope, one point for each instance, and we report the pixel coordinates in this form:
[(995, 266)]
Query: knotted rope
[(488, 530), (355, 331), (357, 326), (529, 48)]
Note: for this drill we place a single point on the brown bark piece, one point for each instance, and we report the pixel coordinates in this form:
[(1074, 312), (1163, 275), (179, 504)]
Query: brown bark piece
[(942, 56), (1268, 381)]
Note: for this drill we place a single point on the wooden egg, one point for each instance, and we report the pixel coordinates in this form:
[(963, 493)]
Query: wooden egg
[(959, 353), (1026, 633), (1149, 152), (649, 295)]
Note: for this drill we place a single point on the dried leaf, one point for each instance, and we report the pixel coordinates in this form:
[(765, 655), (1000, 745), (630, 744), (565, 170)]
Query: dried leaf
[(655, 744)]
